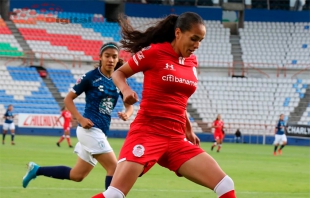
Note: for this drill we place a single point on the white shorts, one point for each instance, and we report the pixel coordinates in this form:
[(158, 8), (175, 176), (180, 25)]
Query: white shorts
[(91, 141), (7, 126), (279, 139)]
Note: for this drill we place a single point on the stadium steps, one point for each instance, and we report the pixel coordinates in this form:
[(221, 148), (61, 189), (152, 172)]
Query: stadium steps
[(236, 51), (195, 115), (19, 38), (301, 108), (52, 88)]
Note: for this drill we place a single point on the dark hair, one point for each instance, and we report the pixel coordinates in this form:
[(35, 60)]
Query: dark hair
[(163, 31), (110, 45), (63, 108)]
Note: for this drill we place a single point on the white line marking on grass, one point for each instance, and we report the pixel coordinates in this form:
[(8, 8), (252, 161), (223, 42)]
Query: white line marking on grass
[(152, 190)]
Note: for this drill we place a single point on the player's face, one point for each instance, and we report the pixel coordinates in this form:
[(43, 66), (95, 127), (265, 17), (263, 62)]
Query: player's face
[(10, 108), (219, 117), (282, 117), (109, 59), (189, 41)]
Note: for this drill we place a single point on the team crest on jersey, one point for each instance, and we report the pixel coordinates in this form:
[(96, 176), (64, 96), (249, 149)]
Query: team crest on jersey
[(78, 81), (195, 72), (138, 150), (101, 144), (106, 106)]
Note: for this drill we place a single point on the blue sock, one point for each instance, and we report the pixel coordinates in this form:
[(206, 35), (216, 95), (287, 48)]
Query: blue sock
[(108, 180), (57, 172)]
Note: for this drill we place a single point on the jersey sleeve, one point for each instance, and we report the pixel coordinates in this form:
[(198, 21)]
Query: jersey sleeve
[(144, 59), (81, 85), (6, 114)]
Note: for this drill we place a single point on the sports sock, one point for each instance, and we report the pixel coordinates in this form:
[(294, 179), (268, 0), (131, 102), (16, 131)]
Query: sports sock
[(68, 139), (225, 188), (219, 147), (108, 180), (12, 137), (61, 139), (57, 172), (3, 136), (282, 146), (275, 148)]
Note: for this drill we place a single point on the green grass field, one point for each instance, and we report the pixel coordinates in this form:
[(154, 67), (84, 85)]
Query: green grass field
[(255, 171)]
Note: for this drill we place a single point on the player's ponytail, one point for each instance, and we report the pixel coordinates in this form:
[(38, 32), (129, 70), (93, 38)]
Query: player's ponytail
[(162, 31), (119, 64)]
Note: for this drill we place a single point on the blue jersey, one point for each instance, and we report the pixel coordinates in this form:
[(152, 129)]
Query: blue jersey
[(9, 117), (101, 97), (280, 131)]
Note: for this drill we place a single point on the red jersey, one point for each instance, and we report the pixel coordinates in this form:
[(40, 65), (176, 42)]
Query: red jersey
[(67, 117), (169, 80), (219, 124)]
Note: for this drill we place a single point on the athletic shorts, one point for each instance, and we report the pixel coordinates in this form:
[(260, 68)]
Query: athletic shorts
[(280, 139), (91, 141), (154, 140), (7, 126), (66, 127), (218, 136)]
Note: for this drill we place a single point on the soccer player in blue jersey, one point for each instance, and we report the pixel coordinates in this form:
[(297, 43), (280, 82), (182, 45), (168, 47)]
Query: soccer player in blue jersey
[(280, 137), (8, 124), (101, 97)]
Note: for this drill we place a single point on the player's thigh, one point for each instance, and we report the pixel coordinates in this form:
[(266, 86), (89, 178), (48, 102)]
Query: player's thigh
[(203, 170), (108, 161), (5, 127), (277, 140), (67, 132), (283, 140), (12, 127), (126, 175), (80, 170)]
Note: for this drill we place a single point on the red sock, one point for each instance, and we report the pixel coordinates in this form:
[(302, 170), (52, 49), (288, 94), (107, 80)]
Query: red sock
[(100, 195), (61, 139), (68, 140), (230, 194)]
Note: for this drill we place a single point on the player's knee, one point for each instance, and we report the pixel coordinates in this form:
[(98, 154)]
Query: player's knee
[(77, 178), (113, 192)]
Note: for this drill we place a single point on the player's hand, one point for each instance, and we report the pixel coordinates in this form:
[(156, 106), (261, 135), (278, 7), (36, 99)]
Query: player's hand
[(192, 137), (129, 96), (86, 123), (123, 116)]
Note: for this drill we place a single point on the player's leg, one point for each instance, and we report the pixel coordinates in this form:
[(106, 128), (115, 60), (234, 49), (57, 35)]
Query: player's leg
[(124, 178), (61, 139), (67, 134), (219, 144), (109, 162), (216, 138), (5, 130), (83, 166), (12, 130), (209, 174), (276, 144), (282, 143)]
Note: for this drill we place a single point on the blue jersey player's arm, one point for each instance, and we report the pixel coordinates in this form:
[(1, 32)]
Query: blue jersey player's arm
[(81, 86)]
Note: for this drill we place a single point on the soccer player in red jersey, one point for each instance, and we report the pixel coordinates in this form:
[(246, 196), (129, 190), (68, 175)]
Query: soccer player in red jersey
[(218, 126), (66, 126), (163, 135)]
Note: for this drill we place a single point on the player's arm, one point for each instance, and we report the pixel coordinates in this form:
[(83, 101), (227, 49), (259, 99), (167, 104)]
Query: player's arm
[(57, 120), (80, 86), (189, 133), (128, 112)]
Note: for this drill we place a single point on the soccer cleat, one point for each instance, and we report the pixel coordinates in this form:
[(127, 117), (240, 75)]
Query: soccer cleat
[(3, 142), (58, 144), (30, 174), (218, 151), (280, 152), (212, 147), (274, 153), (70, 146), (13, 143)]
